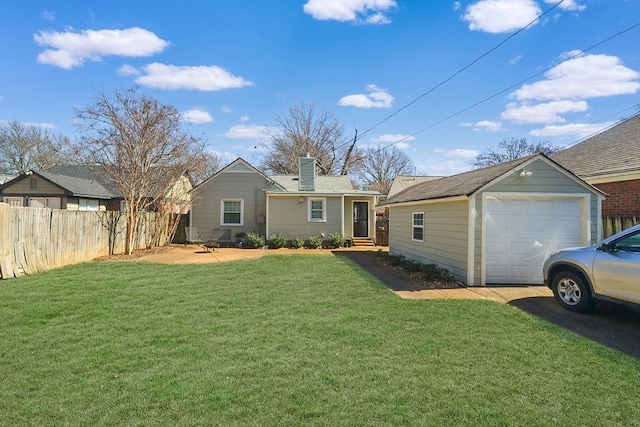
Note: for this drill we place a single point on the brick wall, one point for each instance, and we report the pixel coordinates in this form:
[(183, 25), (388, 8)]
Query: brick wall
[(623, 198)]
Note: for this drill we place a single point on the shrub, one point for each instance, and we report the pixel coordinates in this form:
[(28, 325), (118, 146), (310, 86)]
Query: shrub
[(436, 273), (256, 240), (336, 240), (297, 243), (277, 241), (314, 242)]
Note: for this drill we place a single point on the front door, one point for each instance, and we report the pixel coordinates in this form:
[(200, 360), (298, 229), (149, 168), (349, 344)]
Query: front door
[(360, 219)]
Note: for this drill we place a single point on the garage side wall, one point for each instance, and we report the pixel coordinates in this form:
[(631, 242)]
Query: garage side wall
[(446, 235)]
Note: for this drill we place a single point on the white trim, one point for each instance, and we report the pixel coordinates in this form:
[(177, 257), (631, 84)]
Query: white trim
[(222, 202), (471, 241), (585, 217), (324, 208), (266, 215), (612, 177), (599, 219), (342, 202), (413, 225), (353, 210)]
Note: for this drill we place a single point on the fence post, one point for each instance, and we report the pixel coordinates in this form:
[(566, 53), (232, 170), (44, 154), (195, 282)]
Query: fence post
[(6, 266)]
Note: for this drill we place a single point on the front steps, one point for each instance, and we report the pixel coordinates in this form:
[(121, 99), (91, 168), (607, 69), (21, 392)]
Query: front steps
[(362, 241)]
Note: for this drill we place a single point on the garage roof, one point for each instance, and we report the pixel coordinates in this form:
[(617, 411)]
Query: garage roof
[(464, 184)]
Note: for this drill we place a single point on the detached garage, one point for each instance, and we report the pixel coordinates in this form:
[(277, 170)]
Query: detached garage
[(495, 225)]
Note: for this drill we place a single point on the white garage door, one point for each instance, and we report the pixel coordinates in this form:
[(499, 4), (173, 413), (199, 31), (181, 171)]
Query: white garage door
[(521, 233)]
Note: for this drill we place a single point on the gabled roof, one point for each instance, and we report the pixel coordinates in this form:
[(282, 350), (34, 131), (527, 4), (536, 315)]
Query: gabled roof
[(237, 162), (75, 186), (467, 183), (613, 151)]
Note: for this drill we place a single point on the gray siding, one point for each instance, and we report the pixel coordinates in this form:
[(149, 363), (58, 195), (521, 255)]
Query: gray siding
[(236, 183), (289, 216), (445, 235)]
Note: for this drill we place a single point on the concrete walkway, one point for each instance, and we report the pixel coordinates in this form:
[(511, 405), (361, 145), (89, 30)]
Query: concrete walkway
[(504, 294)]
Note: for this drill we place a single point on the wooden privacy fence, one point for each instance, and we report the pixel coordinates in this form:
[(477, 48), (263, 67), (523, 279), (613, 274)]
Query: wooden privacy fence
[(613, 225), (39, 239)]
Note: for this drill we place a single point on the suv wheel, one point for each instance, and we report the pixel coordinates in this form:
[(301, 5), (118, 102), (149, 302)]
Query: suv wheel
[(572, 292)]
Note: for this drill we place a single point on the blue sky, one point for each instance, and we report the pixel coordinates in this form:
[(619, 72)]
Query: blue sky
[(232, 67)]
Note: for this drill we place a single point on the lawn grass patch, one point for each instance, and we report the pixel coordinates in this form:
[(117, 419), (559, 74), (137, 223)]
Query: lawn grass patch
[(288, 340)]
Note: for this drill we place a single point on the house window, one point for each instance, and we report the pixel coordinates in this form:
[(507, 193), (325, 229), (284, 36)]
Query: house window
[(317, 210), (232, 212), (88, 205), (418, 226)]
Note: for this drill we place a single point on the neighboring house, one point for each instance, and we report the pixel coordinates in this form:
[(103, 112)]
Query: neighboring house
[(611, 162), (241, 198), (496, 224), (82, 187), (401, 182), (49, 190)]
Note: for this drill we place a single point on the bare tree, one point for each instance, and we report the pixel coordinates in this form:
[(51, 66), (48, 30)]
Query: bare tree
[(26, 147), (511, 149), (379, 166), (305, 130), (209, 165), (141, 146)]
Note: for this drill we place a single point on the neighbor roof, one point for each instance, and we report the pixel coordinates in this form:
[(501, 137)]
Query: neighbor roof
[(612, 151), (464, 184), (401, 182), (79, 187)]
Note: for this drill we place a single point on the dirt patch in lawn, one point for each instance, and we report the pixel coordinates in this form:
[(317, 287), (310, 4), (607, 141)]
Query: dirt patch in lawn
[(193, 254)]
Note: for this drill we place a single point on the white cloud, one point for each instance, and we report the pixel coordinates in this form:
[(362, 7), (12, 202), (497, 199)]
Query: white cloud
[(392, 138), (128, 70), (201, 78), (48, 16), (587, 76), (71, 49), (245, 118), (443, 167), (226, 110), (462, 153), (376, 98), (246, 132), (580, 130), (488, 126), (501, 16), (369, 11), (548, 112), (197, 115), (571, 5), (456, 5)]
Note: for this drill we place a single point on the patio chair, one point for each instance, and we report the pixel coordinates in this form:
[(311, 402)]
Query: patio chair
[(222, 237), (193, 237)]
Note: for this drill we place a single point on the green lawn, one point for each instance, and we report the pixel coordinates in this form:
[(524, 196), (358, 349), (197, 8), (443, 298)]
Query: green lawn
[(288, 340)]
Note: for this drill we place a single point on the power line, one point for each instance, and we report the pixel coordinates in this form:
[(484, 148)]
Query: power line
[(460, 71), (510, 87)]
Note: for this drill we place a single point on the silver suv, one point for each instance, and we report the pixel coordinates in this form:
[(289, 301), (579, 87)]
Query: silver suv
[(609, 270)]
